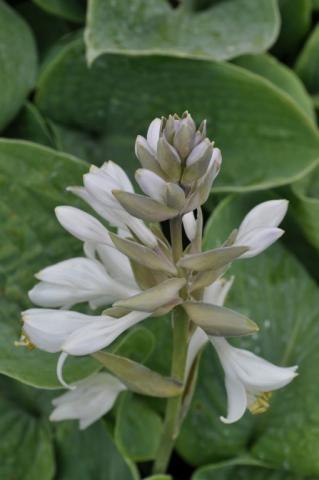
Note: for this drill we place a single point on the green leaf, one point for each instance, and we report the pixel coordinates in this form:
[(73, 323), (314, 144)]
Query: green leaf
[(295, 22), (265, 138), (275, 291), (308, 62), (219, 472), (159, 477), (26, 446), (137, 344), (46, 29), (32, 182), (89, 454), (149, 27), (18, 61), (30, 125), (280, 76), (305, 206), (138, 429), (73, 10)]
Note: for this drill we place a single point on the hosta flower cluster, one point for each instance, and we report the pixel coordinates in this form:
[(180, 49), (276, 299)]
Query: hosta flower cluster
[(139, 272)]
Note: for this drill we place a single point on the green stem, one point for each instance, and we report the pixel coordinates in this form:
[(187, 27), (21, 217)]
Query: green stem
[(173, 406), (180, 342)]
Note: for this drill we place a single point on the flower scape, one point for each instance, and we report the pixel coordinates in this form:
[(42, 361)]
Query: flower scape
[(138, 272)]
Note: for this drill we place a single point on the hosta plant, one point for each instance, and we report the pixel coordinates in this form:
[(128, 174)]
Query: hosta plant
[(142, 257)]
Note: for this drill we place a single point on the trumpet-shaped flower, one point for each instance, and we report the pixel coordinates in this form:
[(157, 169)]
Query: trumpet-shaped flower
[(79, 280), (259, 229), (88, 400), (249, 379), (73, 332), (97, 192)]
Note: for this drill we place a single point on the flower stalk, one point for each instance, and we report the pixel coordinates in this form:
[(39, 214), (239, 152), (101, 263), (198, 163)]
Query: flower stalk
[(137, 273)]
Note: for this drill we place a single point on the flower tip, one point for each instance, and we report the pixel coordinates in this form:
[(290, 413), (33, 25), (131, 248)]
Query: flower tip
[(226, 420)]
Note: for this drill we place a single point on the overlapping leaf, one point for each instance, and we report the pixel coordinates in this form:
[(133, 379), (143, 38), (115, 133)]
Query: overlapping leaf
[(148, 27), (266, 140), (18, 61)]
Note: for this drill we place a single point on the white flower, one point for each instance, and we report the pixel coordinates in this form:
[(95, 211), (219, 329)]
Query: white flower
[(82, 225), (259, 229), (80, 280), (189, 224), (151, 184), (249, 379), (73, 332), (214, 294), (97, 192), (153, 133), (89, 399)]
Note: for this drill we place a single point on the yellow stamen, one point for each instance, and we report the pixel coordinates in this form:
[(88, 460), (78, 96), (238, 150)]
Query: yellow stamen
[(261, 404), (24, 342)]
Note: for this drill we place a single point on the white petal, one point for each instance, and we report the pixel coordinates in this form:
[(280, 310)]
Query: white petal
[(77, 280), (107, 214), (82, 225), (153, 133), (258, 240), (100, 333), (151, 184), (217, 291), (197, 341), (48, 329), (59, 371), (117, 265), (142, 231), (189, 223), (236, 399), (122, 179), (267, 214), (260, 374), (92, 398)]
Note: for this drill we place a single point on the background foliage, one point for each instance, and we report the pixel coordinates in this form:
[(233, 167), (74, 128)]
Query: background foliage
[(78, 81)]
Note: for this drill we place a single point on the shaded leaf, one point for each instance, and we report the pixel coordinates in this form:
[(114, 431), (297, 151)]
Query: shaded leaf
[(18, 59), (281, 77), (138, 429), (73, 10), (305, 206), (90, 454), (295, 22), (308, 62)]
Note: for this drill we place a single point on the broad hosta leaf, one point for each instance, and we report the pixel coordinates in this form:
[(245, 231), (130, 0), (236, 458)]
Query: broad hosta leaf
[(148, 27), (280, 76), (18, 61), (32, 182), (90, 454), (305, 206), (138, 429), (295, 22), (30, 125), (308, 62), (280, 143), (73, 10), (216, 472), (275, 291), (26, 448), (46, 29)]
